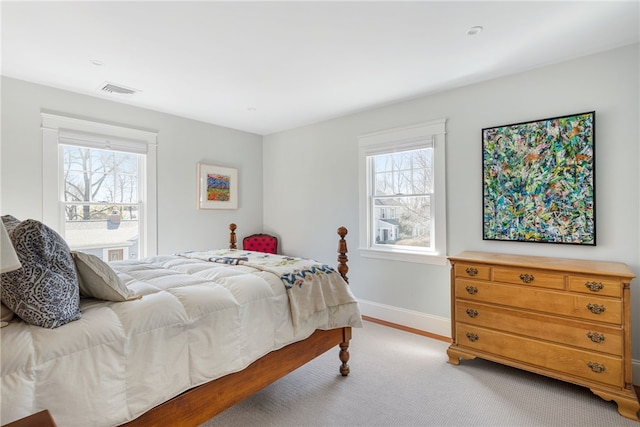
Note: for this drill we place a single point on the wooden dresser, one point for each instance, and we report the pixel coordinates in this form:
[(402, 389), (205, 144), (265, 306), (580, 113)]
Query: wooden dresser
[(564, 318)]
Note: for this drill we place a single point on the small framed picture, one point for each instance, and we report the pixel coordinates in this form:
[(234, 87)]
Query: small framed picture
[(217, 187)]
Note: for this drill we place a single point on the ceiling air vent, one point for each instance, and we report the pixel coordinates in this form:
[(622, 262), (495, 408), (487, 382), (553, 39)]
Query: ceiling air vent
[(117, 89)]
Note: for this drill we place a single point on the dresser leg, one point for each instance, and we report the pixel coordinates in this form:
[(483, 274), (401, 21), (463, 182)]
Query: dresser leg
[(455, 354), (628, 406)]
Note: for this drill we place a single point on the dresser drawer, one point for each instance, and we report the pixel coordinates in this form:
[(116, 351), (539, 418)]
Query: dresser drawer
[(564, 360), (596, 286), (475, 271), (529, 277), (590, 336), (595, 309)]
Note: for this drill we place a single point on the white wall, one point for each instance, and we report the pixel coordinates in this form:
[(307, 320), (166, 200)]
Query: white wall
[(303, 184), (311, 182), (182, 143)]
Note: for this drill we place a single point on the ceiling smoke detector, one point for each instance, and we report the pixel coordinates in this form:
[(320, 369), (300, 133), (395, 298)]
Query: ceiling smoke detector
[(117, 89), (473, 31)]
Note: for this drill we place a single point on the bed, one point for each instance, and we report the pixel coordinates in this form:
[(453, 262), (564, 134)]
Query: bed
[(194, 333)]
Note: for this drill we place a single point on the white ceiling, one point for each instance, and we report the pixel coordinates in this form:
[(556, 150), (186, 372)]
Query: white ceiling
[(267, 66)]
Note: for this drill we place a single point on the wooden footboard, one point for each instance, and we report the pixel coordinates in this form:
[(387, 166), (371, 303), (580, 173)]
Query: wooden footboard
[(201, 403)]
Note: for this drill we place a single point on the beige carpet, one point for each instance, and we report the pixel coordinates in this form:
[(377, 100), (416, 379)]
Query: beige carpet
[(402, 379)]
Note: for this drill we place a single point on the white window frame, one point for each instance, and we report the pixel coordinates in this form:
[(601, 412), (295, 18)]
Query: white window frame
[(56, 128), (401, 139)]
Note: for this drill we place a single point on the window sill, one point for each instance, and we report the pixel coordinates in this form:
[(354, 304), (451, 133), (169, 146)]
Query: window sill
[(421, 258)]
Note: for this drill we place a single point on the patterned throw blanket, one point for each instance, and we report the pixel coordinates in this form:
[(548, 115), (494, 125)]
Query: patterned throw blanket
[(311, 286)]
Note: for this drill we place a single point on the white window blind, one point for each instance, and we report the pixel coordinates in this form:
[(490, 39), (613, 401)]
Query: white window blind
[(373, 148), (102, 142)]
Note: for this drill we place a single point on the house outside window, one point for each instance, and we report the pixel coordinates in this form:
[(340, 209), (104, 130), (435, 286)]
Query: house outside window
[(402, 194), (99, 187)]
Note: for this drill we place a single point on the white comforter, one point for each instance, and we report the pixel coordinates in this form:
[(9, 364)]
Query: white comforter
[(196, 321)]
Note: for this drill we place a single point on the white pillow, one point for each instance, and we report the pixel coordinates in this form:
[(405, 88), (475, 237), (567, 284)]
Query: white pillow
[(98, 280), (5, 314)]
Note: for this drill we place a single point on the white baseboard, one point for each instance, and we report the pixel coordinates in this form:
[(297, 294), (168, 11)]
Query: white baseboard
[(412, 319), (432, 324)]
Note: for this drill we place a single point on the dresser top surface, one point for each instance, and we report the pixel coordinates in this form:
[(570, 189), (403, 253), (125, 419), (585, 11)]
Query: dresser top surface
[(577, 266)]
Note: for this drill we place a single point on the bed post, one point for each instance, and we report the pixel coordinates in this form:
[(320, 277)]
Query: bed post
[(232, 236), (344, 353), (343, 268)]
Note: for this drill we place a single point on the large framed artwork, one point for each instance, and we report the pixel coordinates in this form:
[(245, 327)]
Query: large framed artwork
[(217, 187), (539, 181)]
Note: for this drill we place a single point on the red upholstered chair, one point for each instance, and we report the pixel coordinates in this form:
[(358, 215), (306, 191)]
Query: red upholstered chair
[(261, 243)]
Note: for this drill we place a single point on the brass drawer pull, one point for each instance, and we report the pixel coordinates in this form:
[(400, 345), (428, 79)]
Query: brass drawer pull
[(471, 271), (472, 290), (594, 286), (595, 337), (596, 367), (472, 337), (596, 308), (527, 278), (472, 313)]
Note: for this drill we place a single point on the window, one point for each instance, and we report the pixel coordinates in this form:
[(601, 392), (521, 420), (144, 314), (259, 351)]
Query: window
[(99, 187), (402, 194)]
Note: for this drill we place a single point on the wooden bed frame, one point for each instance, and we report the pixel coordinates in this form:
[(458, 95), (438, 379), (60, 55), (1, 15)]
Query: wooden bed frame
[(199, 404)]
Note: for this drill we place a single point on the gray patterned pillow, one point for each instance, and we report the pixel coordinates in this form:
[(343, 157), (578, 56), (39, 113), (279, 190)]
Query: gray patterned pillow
[(10, 222), (44, 292)]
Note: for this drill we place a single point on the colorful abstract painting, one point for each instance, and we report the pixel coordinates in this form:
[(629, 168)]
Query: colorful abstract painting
[(539, 181), (217, 187)]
